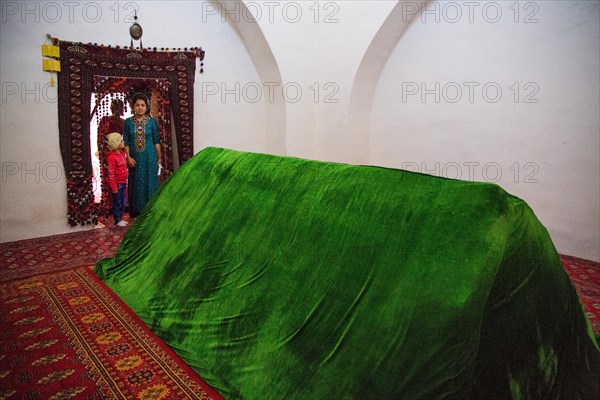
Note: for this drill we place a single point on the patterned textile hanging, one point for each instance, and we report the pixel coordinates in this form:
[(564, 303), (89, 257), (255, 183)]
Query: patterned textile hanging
[(104, 70), (160, 109)]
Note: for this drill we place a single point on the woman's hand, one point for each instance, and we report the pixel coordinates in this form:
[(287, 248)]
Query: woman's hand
[(131, 162)]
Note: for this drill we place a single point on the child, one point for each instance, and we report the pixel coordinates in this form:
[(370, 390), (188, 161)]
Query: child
[(117, 175)]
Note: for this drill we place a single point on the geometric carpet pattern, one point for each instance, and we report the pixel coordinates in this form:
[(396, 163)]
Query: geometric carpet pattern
[(32, 257), (65, 335)]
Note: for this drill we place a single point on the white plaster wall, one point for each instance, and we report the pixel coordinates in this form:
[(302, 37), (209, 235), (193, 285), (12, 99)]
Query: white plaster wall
[(33, 191), (546, 147), (318, 47)]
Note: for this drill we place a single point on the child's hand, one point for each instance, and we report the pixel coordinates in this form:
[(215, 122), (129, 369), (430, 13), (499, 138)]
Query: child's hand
[(115, 191)]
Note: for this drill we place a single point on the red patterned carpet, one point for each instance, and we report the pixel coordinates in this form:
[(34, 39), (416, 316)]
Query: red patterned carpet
[(65, 335), (32, 257), (585, 275)]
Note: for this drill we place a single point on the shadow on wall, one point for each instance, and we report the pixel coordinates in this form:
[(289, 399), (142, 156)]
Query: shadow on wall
[(370, 68), (262, 56)]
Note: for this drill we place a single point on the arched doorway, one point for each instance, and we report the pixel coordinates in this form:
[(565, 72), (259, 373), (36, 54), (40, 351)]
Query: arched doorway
[(105, 91)]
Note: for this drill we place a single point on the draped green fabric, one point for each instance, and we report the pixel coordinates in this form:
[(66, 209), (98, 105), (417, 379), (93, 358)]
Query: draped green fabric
[(282, 278)]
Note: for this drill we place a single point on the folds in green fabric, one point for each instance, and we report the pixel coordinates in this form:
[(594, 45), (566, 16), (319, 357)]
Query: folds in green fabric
[(283, 278)]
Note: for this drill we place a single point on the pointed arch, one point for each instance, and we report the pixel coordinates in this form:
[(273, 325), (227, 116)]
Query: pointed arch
[(370, 68), (267, 68)]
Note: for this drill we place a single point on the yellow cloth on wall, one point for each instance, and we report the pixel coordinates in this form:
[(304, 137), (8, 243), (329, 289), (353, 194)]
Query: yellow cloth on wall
[(50, 51), (51, 65)]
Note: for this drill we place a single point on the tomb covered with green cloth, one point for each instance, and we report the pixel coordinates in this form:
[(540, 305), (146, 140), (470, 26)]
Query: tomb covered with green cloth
[(279, 278)]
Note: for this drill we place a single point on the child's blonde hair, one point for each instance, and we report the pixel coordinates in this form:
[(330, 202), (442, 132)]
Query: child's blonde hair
[(114, 140)]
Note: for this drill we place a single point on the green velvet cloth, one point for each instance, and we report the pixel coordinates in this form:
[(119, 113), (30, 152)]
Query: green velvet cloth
[(279, 278)]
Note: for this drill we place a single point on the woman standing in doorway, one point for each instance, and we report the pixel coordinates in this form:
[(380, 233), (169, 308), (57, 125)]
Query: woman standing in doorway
[(142, 147)]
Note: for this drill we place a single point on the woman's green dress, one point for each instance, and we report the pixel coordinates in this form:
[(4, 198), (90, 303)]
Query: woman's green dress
[(141, 138)]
